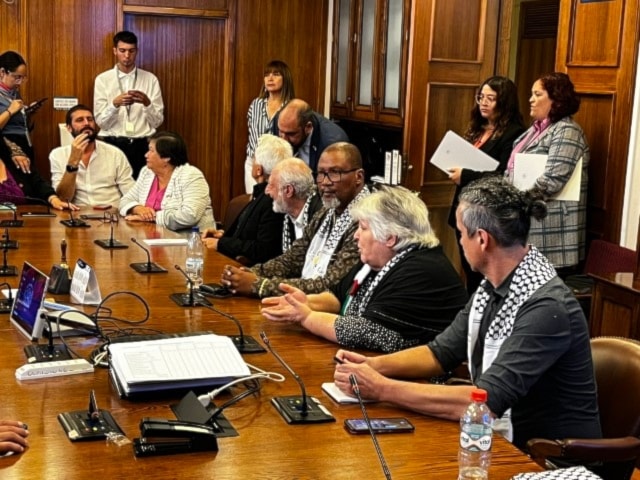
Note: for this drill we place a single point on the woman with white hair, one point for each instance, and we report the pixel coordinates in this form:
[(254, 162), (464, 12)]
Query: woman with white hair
[(403, 292)]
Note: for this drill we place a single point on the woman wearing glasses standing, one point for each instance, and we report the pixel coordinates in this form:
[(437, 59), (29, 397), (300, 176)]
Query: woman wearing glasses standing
[(13, 116), (494, 125), (276, 91)]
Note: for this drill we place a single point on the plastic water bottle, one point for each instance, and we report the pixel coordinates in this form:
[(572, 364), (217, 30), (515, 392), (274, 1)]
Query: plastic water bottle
[(474, 455), (195, 260)]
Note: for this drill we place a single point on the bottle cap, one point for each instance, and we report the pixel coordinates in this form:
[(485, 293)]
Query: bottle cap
[(479, 395), (195, 229)]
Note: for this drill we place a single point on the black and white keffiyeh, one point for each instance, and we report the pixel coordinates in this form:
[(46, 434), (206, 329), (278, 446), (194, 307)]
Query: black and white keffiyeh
[(533, 272), (572, 473), (304, 220)]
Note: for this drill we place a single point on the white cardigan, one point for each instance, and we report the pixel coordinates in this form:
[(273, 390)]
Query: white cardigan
[(186, 201)]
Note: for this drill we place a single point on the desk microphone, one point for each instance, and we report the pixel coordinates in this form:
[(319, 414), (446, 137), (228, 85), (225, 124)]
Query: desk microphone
[(47, 353), (110, 243), (356, 390), (296, 409), (7, 270), (149, 266), (6, 242), (191, 299), (11, 223), (6, 303), (74, 222), (244, 343)]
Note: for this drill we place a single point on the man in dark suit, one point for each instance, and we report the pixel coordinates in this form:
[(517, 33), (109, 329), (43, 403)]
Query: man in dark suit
[(256, 235), (308, 132)]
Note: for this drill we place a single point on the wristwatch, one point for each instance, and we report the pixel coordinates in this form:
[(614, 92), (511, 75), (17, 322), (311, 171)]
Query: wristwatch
[(71, 168)]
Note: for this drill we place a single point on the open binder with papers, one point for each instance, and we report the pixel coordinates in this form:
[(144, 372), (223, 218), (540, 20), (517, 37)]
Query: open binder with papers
[(174, 364)]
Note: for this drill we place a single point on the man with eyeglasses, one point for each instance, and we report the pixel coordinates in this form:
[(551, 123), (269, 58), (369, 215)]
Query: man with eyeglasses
[(128, 102), (308, 132), (327, 250)]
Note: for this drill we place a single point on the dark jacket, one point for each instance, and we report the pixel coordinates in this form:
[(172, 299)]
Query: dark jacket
[(499, 149), (325, 132), (257, 231)]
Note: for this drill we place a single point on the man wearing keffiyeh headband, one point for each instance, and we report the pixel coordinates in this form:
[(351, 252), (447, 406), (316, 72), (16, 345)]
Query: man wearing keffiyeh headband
[(523, 334)]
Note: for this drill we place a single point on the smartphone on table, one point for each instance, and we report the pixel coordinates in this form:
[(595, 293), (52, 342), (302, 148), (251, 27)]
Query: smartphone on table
[(379, 425)]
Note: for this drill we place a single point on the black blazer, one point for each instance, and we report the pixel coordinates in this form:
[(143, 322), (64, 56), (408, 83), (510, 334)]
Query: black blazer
[(32, 184), (500, 149), (257, 231)]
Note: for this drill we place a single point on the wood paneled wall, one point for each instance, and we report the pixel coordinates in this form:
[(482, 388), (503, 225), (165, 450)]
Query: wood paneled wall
[(208, 54), (598, 48)]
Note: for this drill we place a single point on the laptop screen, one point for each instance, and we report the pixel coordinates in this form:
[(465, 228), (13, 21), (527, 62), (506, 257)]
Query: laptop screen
[(28, 302)]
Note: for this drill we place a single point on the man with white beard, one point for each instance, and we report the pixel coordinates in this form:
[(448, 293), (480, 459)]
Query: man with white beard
[(327, 249)]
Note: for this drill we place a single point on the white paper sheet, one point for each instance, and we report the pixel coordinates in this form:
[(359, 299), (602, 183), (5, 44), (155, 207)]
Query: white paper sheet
[(455, 151), (529, 166)]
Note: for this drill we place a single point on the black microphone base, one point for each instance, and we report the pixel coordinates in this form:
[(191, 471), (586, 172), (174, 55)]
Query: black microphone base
[(8, 271), (37, 214), (9, 245), (45, 353), (145, 267), (109, 243), (186, 300), (291, 410), (247, 344), (11, 223), (75, 223), (5, 306)]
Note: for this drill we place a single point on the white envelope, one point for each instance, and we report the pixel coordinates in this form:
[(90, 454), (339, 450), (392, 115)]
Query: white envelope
[(455, 151), (529, 166)]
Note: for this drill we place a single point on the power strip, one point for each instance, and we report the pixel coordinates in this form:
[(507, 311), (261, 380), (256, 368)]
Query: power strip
[(33, 371)]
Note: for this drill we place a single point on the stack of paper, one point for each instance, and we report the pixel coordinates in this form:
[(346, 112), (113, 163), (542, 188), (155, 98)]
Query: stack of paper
[(175, 363)]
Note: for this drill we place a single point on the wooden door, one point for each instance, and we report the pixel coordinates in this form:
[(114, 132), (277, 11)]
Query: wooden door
[(598, 47), (447, 64)]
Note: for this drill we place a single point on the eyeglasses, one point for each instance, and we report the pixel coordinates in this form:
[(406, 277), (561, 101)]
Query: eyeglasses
[(334, 176), (109, 217), (480, 98), (18, 78)]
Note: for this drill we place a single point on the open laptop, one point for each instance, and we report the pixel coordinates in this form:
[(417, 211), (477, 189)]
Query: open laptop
[(28, 303)]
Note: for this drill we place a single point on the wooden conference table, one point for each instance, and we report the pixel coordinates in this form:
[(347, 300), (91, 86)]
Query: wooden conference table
[(266, 446)]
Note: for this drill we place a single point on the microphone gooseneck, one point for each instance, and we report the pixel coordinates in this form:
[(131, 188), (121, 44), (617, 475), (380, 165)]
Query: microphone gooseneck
[(146, 251), (356, 389), (177, 267), (230, 317), (304, 407)]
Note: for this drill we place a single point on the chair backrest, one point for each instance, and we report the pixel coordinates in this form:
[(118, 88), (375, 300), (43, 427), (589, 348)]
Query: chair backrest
[(617, 370), (607, 257), (234, 207)]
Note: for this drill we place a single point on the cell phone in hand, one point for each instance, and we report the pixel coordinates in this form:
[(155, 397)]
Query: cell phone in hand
[(379, 425)]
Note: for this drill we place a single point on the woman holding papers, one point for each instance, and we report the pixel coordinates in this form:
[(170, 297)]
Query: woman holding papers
[(561, 235), (495, 123), (403, 292), (169, 191)]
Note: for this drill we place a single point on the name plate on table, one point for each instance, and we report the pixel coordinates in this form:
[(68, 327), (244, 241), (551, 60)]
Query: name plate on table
[(84, 285)]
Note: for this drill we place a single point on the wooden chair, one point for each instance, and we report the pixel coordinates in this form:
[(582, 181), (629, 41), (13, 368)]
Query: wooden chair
[(234, 207), (617, 371)]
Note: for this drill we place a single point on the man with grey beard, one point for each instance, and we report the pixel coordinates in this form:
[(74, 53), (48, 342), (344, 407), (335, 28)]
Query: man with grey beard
[(327, 250), (292, 188)]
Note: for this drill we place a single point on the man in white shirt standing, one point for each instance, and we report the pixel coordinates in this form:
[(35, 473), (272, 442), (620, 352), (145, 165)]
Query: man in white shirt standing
[(89, 172), (127, 102)]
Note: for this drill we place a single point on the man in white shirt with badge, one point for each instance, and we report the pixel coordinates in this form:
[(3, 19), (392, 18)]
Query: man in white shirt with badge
[(327, 249), (127, 102), (89, 172)]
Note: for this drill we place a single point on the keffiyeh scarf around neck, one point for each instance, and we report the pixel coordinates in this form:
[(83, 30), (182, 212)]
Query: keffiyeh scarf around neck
[(533, 272)]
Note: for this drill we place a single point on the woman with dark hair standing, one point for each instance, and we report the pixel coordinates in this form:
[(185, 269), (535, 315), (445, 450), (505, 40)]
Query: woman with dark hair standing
[(13, 115), (169, 191), (276, 91), (495, 123), (561, 236)]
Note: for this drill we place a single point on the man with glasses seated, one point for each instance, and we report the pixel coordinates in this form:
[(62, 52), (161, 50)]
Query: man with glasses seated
[(308, 132), (327, 250)]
